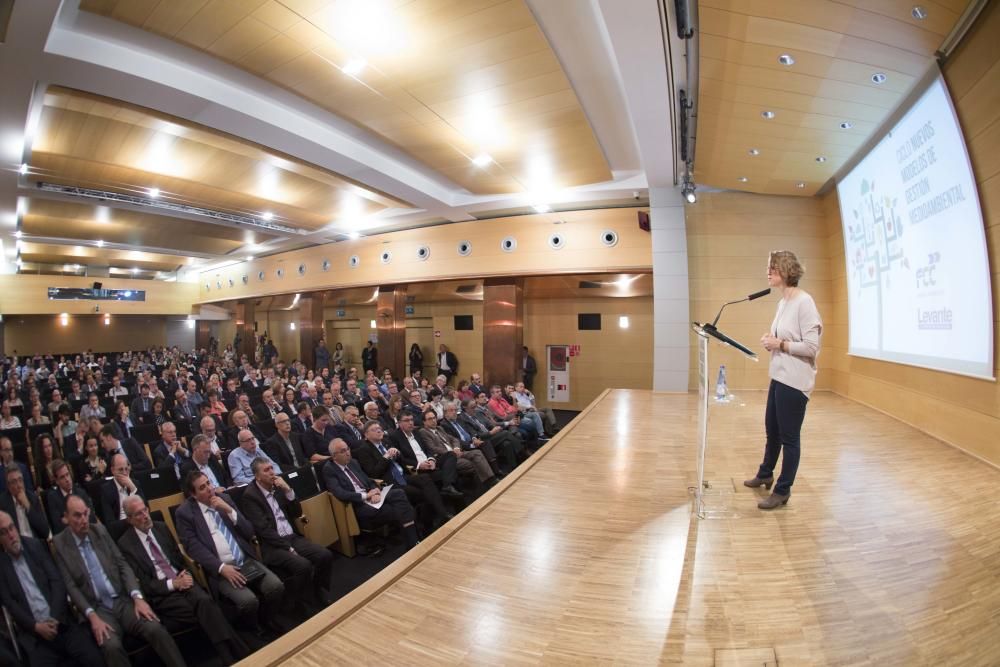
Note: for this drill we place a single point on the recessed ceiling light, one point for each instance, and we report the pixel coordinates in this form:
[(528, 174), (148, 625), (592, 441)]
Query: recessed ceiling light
[(354, 235), (918, 12), (753, 151), (354, 66), (154, 192), (135, 269), (24, 169), (67, 267), (267, 215), (846, 125), (18, 234), (786, 59), (767, 114), (742, 179), (800, 184), (542, 208), (249, 258), (878, 77), (821, 159), (100, 243), (482, 160)]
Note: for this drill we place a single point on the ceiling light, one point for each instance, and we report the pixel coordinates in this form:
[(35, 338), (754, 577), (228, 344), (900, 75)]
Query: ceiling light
[(249, 258), (64, 319), (291, 325), (742, 179), (688, 192), (24, 169), (918, 12), (100, 243), (354, 235), (482, 160), (18, 234), (800, 184), (541, 208), (267, 215), (753, 151), (821, 159), (67, 267), (786, 59), (623, 321), (846, 125), (373, 324), (154, 192), (878, 77), (107, 320), (135, 270), (354, 66), (768, 115), (20, 263), (128, 293)]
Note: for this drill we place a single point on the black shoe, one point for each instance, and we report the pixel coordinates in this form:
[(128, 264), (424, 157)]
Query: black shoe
[(451, 491), (371, 551)]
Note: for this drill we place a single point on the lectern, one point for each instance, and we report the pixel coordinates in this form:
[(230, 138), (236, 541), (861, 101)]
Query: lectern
[(705, 333)]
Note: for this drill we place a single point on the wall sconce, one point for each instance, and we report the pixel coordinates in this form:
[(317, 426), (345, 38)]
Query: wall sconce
[(190, 323), (374, 324), (107, 320), (291, 325), (64, 319), (623, 322)]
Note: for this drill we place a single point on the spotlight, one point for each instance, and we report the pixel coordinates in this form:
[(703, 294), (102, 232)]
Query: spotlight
[(689, 193)]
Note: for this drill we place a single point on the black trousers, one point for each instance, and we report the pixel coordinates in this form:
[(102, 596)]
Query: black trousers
[(396, 509), (786, 410), (446, 469), (73, 645), (195, 606), (421, 490), (305, 571)]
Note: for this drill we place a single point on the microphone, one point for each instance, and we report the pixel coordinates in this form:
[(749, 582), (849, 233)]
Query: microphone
[(751, 297)]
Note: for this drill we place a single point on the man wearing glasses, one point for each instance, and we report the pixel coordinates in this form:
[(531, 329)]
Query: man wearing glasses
[(241, 458)]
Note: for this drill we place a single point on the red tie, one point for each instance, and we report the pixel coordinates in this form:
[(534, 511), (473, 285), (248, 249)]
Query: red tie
[(160, 561), (353, 477)]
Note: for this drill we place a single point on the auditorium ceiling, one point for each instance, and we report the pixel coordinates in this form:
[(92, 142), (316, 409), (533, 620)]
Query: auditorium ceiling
[(163, 138)]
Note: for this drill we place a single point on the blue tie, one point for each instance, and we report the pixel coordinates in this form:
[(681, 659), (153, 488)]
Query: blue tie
[(461, 432), (102, 586), (230, 540), (397, 472)]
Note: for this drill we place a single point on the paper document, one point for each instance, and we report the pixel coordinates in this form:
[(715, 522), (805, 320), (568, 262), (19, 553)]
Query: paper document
[(381, 498)]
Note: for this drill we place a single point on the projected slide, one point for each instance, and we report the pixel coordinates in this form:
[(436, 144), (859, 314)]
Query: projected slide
[(918, 275)]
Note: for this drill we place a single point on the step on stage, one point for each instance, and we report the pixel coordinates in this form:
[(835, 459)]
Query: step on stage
[(888, 553)]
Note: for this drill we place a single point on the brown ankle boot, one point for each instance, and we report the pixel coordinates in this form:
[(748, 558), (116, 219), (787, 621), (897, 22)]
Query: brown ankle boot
[(772, 501), (758, 482)]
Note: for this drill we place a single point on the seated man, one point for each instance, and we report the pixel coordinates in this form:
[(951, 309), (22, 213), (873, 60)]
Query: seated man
[(346, 480), (7, 461), (169, 588), (467, 441), (350, 429), (203, 461), (241, 457), (129, 448), (507, 414), (269, 408), (92, 408), (209, 427), (103, 586), (24, 506), (240, 422), (270, 505), (507, 444), (115, 491), (55, 498), (170, 452), (284, 447), (142, 404), (183, 410), (472, 461), (524, 400), (384, 462), (217, 537), (32, 590), (441, 468)]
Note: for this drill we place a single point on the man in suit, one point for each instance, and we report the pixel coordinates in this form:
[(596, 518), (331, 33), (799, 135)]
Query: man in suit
[(369, 357), (183, 410), (447, 362), (55, 498), (24, 506), (507, 444), (217, 537), (116, 490), (7, 461), (350, 429), (32, 590), (129, 448), (203, 461), (528, 368), (345, 479), (437, 441), (170, 452), (241, 421), (303, 419), (442, 468), (141, 404), (169, 588), (382, 461), (103, 586), (284, 447), (271, 506), (468, 441), (212, 429), (269, 408)]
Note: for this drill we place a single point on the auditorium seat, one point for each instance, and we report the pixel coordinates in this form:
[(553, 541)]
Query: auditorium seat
[(317, 522)]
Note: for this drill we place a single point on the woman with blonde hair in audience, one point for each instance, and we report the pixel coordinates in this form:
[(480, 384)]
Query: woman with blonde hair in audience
[(7, 420)]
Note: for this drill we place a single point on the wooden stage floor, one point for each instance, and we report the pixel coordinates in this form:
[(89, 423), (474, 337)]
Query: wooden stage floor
[(888, 553)]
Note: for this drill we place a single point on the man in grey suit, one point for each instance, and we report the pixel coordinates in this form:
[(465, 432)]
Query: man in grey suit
[(103, 586)]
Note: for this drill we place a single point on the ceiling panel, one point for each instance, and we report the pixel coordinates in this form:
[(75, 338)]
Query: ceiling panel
[(47, 253), (496, 87), (837, 46)]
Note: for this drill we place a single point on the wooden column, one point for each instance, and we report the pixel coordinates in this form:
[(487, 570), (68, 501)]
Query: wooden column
[(390, 317), (310, 327), (503, 329), (202, 332), (3, 352), (244, 327)]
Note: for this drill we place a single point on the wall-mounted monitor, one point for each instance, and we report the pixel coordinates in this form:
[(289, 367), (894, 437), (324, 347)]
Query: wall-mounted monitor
[(92, 294)]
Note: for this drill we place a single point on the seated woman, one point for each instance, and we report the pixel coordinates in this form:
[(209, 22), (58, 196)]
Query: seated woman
[(7, 420), (91, 465), (37, 418), (44, 451), (158, 415)]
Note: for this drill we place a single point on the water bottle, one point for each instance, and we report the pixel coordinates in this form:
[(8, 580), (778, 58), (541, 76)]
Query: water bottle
[(720, 384)]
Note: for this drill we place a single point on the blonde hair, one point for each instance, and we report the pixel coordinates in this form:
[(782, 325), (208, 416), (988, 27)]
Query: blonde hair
[(787, 265)]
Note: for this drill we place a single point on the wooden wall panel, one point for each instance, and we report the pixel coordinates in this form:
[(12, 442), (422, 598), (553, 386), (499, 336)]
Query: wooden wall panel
[(729, 237), (26, 294), (43, 334), (612, 357), (959, 410)]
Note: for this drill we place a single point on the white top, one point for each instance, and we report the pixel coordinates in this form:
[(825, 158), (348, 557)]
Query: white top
[(798, 322)]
